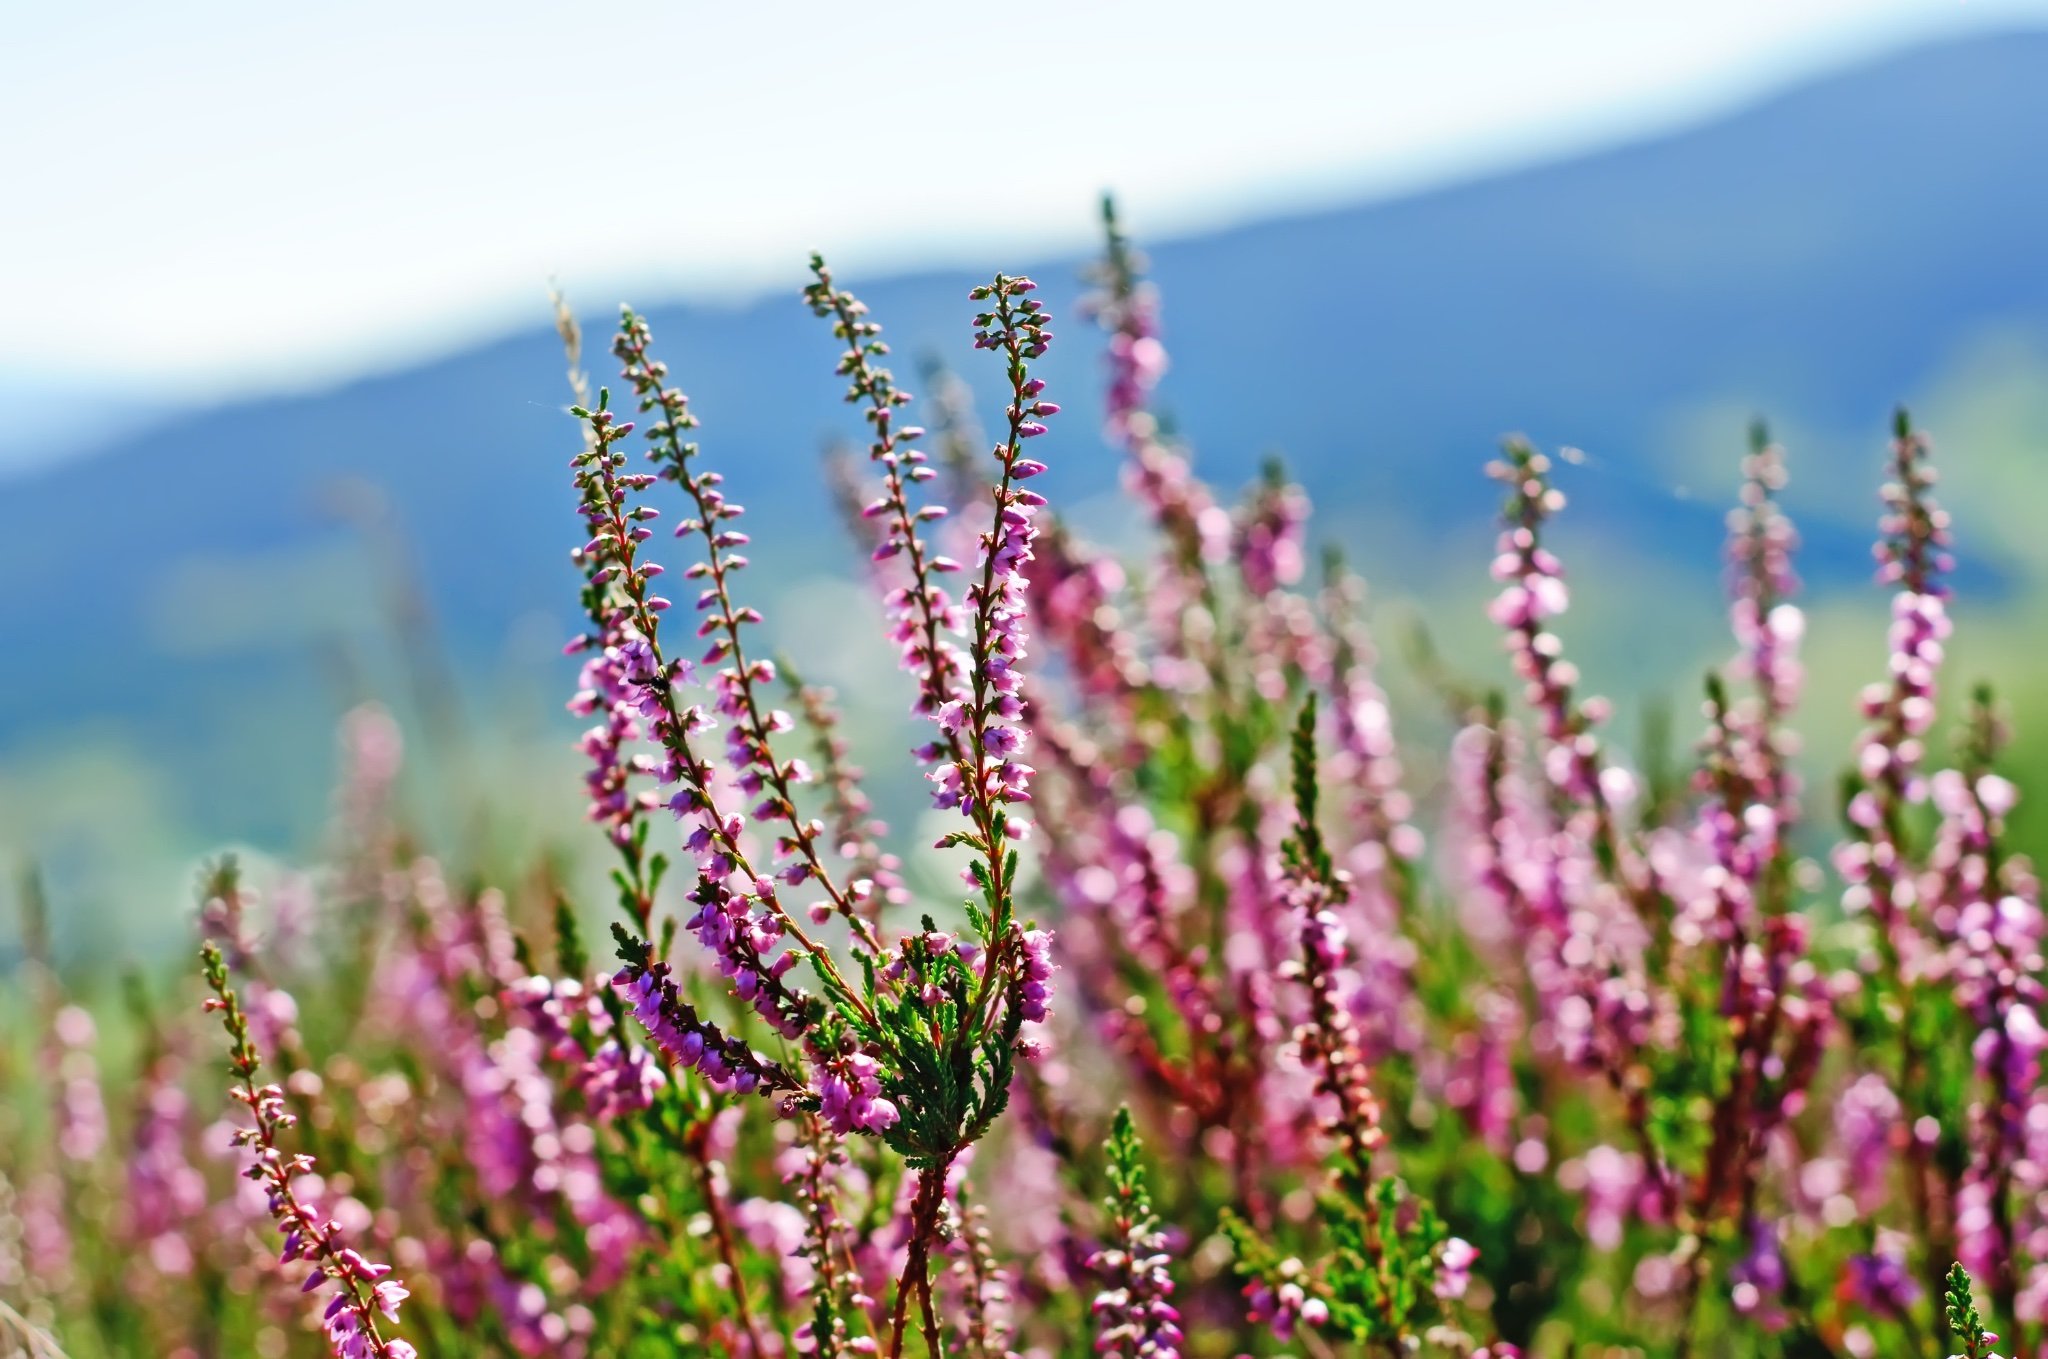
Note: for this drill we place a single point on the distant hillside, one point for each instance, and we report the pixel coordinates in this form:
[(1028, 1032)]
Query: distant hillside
[(1818, 257)]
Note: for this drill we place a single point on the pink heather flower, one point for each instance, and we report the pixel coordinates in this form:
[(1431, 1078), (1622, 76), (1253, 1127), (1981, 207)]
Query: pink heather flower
[(81, 1110), (166, 1193), (739, 916), (614, 1079), (850, 1096), (1127, 307), (1035, 968), (1134, 1315), (1866, 1121), (1286, 1305), (685, 1040), (1533, 590), (1613, 1184), (1327, 1038), (1073, 601), (1454, 1261), (1580, 952), (1125, 875), (738, 687), (985, 732), (1269, 548), (1990, 923), (742, 935)]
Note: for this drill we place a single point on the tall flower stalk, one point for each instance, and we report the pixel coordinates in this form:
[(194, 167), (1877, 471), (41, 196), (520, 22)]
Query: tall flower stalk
[(359, 1291), (1877, 859)]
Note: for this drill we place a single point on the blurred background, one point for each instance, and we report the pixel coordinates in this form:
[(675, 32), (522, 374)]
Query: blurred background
[(281, 406)]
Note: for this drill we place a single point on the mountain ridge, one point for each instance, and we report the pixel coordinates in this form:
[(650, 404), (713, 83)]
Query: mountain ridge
[(1817, 256)]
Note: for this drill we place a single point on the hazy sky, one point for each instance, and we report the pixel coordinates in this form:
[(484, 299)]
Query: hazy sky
[(215, 196)]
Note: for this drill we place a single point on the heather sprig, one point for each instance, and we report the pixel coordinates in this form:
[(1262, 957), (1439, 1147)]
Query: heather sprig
[(1876, 858), (360, 1290), (739, 917), (1757, 1007), (738, 685), (1328, 1039), (923, 618), (1181, 595), (1127, 307), (1984, 905), (978, 1289), (1134, 1313), (1768, 628), (947, 1015), (1533, 591), (841, 1320), (1389, 1264), (685, 1039), (1960, 1308), (1367, 754), (982, 730), (1912, 559), (989, 719), (921, 1051)]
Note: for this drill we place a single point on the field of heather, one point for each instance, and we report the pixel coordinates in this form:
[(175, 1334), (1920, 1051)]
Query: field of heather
[(1050, 778), (1228, 1037)]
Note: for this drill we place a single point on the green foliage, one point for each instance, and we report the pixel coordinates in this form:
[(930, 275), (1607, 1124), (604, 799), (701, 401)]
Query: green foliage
[(1964, 1324), (1382, 1265), (1125, 1151), (1306, 852)]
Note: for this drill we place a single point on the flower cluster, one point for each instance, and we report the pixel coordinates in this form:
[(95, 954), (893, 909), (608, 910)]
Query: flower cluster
[(690, 1042), (984, 727)]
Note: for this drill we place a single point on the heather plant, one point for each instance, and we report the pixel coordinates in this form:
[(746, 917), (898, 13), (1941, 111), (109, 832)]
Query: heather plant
[(1240, 1035)]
